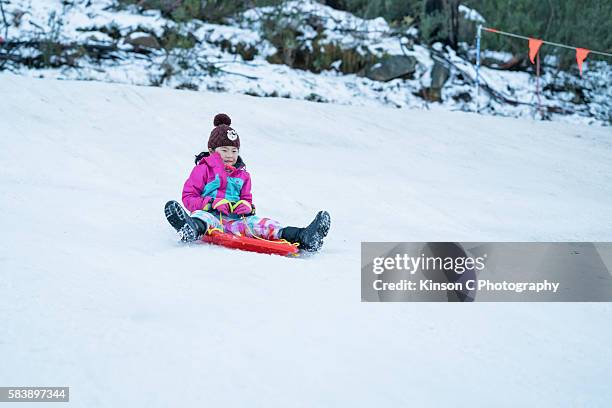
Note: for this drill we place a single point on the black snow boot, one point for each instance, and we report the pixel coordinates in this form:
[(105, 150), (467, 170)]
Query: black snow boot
[(188, 229), (311, 237)]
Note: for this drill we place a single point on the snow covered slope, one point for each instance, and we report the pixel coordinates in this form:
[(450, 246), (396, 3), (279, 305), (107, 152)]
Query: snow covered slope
[(97, 294)]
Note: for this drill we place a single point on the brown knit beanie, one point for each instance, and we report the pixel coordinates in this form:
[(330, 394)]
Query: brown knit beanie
[(223, 134)]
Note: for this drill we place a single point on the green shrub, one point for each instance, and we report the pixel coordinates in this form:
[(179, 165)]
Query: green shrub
[(394, 11)]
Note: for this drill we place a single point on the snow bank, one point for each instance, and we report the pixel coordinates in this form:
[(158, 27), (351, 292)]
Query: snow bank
[(211, 66)]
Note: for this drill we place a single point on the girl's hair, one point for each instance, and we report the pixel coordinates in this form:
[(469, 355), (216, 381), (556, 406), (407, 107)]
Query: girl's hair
[(200, 156)]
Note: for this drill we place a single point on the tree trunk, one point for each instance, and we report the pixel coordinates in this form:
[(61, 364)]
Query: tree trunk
[(449, 9)]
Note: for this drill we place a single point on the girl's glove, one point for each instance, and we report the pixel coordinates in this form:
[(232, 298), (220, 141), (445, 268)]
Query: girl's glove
[(208, 205), (242, 207), (222, 205)]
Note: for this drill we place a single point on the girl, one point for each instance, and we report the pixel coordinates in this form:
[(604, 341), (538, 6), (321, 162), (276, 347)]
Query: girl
[(218, 194)]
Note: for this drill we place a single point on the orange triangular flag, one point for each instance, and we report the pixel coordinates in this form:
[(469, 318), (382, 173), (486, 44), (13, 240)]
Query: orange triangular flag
[(534, 46), (581, 55)]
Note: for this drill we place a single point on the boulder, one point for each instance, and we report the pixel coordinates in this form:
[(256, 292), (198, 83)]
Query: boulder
[(392, 67), (439, 75), (143, 40)]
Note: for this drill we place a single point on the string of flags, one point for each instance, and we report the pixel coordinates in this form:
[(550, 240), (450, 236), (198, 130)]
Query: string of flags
[(535, 44), (534, 57)]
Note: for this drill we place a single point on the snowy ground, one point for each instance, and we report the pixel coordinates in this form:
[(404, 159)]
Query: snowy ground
[(97, 294)]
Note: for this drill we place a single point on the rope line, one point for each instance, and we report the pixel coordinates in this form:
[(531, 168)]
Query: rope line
[(493, 30)]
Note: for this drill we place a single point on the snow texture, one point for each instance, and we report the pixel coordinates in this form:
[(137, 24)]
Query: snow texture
[(97, 293), (471, 14)]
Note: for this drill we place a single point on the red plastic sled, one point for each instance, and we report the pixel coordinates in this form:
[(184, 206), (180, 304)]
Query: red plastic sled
[(243, 243)]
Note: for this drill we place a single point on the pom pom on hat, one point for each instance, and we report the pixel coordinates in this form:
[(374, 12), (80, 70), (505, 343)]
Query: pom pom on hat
[(222, 119)]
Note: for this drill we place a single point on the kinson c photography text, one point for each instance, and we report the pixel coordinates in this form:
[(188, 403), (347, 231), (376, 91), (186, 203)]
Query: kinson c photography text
[(457, 265)]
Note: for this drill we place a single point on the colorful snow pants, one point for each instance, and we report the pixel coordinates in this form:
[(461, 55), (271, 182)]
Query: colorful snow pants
[(252, 226)]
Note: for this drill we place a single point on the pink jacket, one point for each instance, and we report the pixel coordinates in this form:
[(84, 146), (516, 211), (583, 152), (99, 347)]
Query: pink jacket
[(209, 179)]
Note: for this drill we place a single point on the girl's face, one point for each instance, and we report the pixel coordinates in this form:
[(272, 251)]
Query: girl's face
[(229, 154)]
